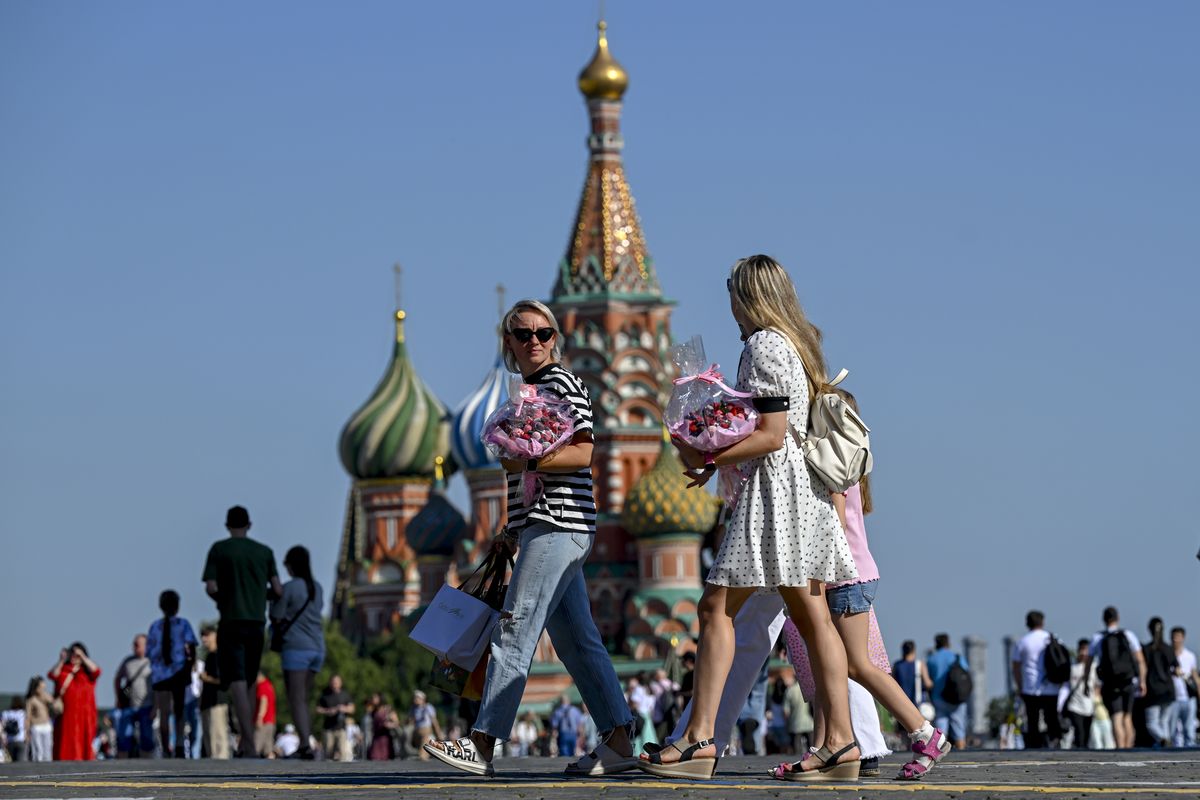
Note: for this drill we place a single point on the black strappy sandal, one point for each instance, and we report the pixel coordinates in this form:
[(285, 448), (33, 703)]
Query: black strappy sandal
[(686, 767), (830, 769)]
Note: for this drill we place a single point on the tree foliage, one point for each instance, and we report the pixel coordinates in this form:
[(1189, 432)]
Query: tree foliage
[(392, 665)]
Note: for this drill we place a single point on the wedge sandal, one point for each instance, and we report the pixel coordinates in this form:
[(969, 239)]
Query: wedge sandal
[(688, 766), (829, 770)]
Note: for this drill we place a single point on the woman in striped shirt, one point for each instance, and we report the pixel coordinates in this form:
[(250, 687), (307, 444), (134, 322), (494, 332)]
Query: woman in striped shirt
[(553, 537)]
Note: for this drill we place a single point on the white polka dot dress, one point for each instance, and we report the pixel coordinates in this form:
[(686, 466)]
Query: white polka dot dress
[(783, 530)]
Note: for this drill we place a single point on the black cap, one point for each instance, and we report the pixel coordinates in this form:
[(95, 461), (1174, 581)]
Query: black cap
[(237, 517)]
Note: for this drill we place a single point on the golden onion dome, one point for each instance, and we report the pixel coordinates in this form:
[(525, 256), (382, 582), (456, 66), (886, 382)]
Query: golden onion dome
[(603, 78), (661, 502)]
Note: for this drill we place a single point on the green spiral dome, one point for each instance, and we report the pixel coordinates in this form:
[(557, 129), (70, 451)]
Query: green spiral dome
[(402, 429)]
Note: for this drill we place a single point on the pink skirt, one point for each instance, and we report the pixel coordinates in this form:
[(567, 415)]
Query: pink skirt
[(798, 654)]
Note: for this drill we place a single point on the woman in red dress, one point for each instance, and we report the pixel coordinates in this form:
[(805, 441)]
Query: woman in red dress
[(74, 679)]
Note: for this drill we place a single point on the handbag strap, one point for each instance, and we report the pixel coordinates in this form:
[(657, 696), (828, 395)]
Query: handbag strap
[(285, 628)]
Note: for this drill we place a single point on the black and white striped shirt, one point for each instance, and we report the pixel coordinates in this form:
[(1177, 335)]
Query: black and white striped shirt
[(567, 501)]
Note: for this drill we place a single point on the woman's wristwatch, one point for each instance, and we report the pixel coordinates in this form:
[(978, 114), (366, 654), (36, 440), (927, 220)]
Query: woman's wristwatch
[(710, 463)]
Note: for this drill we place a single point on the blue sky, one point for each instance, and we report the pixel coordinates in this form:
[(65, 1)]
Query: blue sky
[(990, 209)]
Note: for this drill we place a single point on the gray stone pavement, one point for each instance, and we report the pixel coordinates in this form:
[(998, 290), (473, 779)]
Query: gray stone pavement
[(980, 773)]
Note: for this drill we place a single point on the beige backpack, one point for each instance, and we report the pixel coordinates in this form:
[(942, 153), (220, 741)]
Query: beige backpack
[(838, 445)]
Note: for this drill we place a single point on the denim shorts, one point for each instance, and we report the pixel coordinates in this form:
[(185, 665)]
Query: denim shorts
[(299, 660), (854, 598)]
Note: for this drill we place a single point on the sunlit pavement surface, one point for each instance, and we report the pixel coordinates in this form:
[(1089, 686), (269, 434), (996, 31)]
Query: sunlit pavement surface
[(982, 773)]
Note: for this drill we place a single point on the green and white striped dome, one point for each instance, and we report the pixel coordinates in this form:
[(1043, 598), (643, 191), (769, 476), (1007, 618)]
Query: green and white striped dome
[(402, 429)]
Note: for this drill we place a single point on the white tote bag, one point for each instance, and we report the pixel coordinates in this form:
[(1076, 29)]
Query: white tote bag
[(456, 627)]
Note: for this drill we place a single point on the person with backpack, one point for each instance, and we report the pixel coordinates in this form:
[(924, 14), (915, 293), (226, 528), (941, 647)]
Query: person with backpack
[(1160, 686), (783, 533), (1040, 665), (951, 688), (1078, 706), (1121, 668)]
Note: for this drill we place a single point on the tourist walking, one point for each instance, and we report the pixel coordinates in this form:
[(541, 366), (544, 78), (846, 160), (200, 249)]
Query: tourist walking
[(296, 620), (214, 707), (423, 719), (74, 679), (910, 672), (564, 721), (171, 648), (385, 724), (134, 716), (850, 604), (950, 709), (1121, 668), (1182, 721), (783, 532), (524, 735), (14, 723), (39, 704), (264, 717), (336, 707), (1160, 683), (553, 536), (1080, 708), (1038, 693), (238, 574)]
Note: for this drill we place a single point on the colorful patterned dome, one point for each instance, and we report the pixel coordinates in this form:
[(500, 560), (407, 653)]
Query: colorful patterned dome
[(661, 503), (402, 429), (439, 526), (467, 422)]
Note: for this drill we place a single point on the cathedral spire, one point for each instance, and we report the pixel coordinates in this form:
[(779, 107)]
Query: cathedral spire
[(606, 255)]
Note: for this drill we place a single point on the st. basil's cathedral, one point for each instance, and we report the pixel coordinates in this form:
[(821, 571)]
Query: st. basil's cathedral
[(403, 538)]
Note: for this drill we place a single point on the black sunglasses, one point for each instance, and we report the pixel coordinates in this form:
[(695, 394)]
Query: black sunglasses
[(729, 284), (523, 335)]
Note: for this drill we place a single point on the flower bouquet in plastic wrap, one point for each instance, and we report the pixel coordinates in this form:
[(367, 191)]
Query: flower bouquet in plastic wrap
[(706, 413), (532, 424)]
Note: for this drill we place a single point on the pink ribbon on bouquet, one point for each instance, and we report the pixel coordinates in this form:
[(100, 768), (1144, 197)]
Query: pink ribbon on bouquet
[(528, 394), (711, 375)]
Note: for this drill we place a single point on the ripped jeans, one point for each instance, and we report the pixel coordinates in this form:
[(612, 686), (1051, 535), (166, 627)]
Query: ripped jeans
[(547, 591)]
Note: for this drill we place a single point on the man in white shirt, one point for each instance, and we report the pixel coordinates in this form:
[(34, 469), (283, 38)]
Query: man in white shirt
[(1122, 672), (1181, 722), (1039, 696)]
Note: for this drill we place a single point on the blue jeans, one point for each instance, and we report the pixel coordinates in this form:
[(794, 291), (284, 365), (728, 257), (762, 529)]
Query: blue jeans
[(547, 591), (952, 719), (1157, 717), (191, 713), (1181, 723), (135, 730)]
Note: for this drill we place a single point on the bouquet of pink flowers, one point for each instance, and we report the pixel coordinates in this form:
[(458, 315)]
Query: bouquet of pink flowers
[(532, 424), (703, 412)]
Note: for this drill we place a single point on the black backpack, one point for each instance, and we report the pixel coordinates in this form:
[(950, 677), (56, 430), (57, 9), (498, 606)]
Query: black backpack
[(1116, 670), (958, 685), (1056, 661)]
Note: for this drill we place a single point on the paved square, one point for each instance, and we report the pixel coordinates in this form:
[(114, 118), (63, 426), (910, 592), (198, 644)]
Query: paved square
[(984, 773)]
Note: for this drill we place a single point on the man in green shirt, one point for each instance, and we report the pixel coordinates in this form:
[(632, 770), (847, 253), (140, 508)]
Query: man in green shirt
[(238, 575)]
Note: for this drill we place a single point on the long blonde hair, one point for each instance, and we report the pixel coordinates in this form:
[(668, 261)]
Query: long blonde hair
[(768, 299), (864, 484)]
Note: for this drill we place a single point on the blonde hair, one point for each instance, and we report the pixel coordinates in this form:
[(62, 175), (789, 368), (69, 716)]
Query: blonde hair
[(768, 299), (536, 307), (864, 484)]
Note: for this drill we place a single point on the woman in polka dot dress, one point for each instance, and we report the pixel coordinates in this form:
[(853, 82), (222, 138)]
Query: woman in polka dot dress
[(783, 533)]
